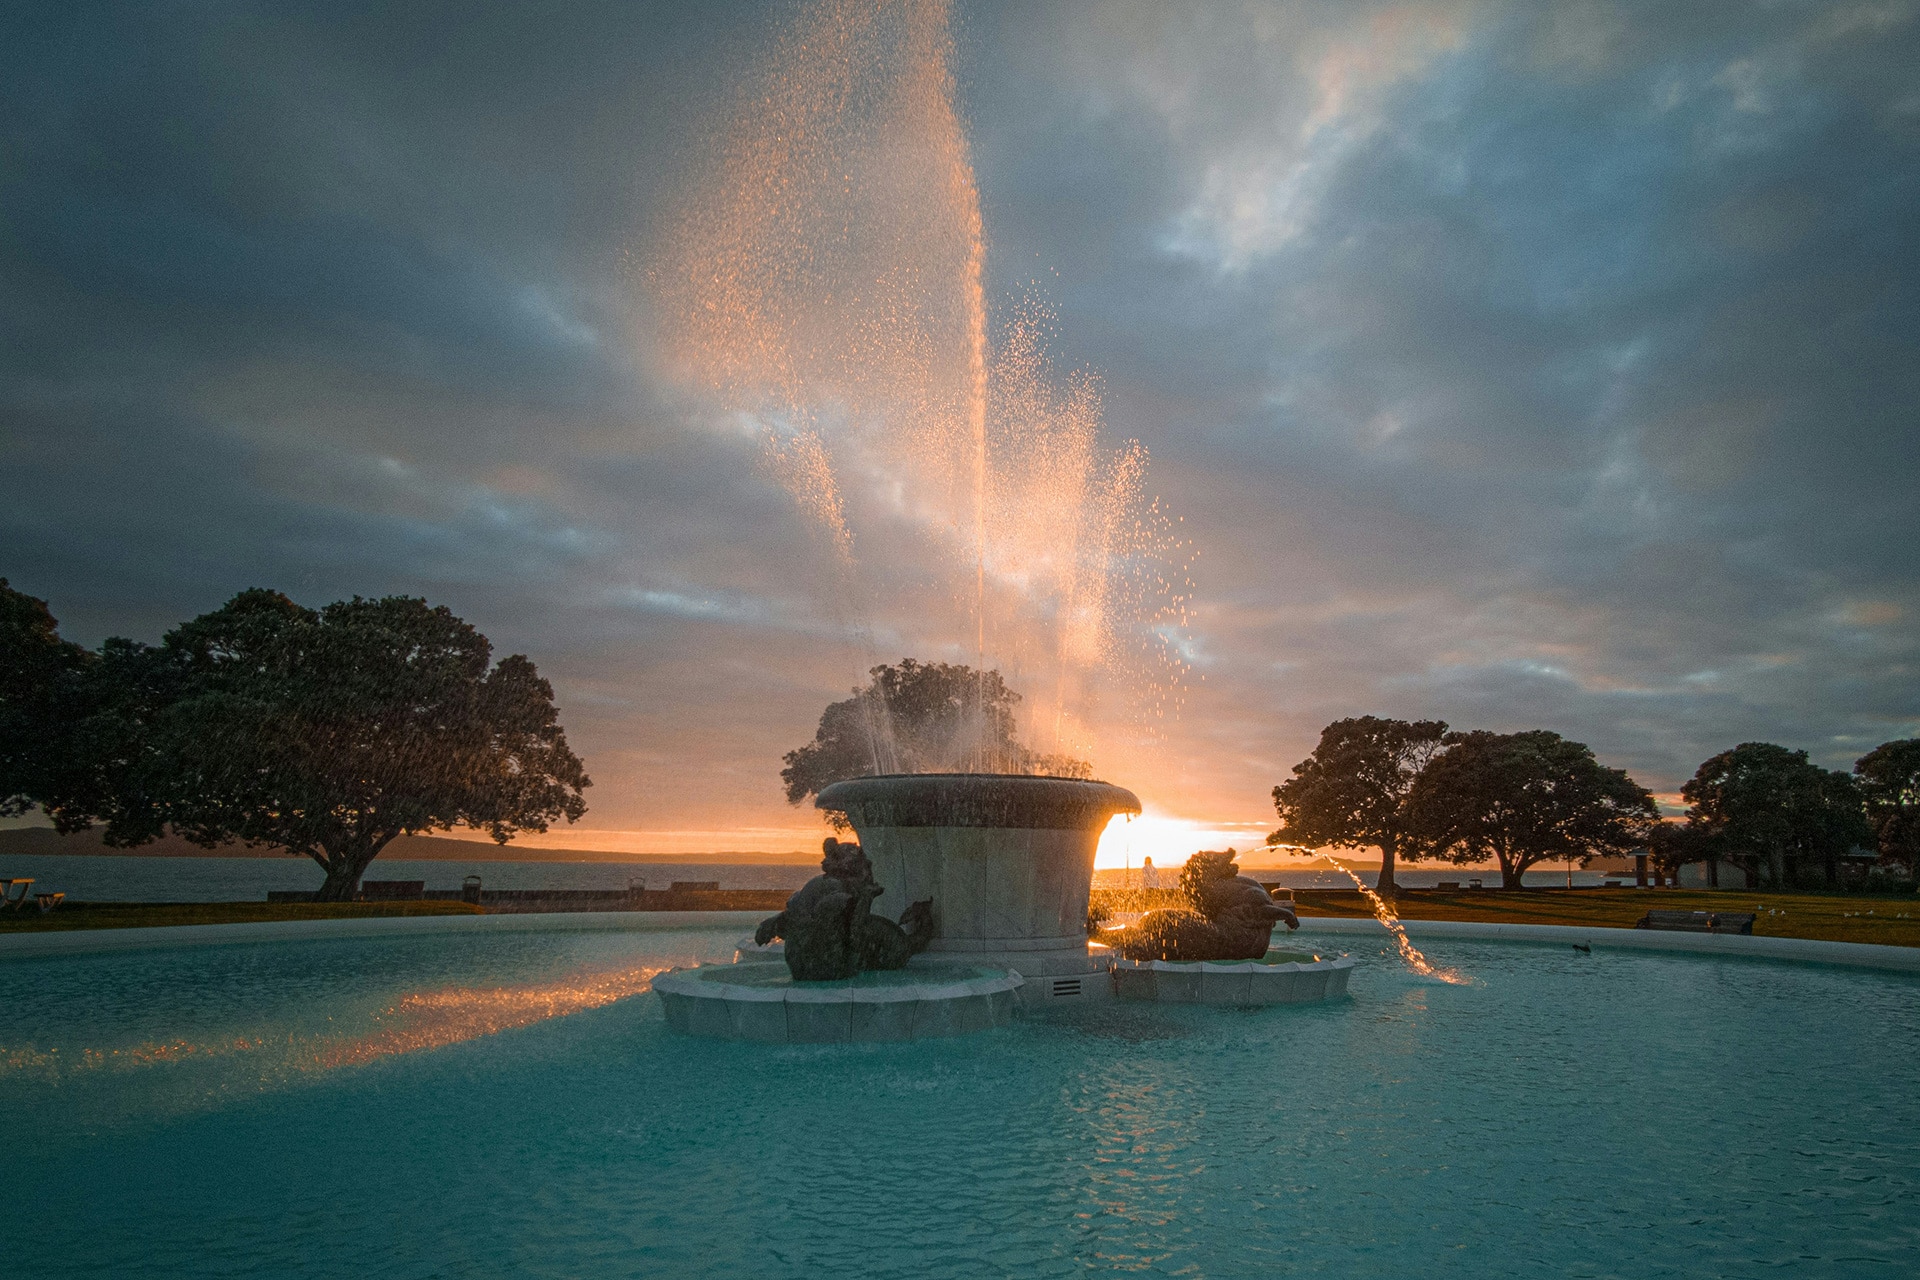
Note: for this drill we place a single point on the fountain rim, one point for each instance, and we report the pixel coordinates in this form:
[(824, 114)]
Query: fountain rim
[(1001, 800)]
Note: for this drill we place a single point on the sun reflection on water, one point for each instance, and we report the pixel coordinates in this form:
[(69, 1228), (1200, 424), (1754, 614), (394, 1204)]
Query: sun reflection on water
[(416, 1022)]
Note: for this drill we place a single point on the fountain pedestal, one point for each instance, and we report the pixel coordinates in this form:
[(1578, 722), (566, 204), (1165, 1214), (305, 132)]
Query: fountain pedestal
[(757, 1000), (1279, 977), (1007, 861)]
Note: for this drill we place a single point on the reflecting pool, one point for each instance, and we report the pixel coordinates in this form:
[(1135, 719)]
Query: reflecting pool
[(512, 1103)]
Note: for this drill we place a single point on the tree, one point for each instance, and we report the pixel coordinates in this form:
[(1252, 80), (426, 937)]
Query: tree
[(919, 717), (325, 733), (1776, 814), (39, 675), (1352, 791), (1672, 845), (1889, 781), (1523, 798)]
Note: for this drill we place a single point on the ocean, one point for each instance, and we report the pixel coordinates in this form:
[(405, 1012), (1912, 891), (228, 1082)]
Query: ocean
[(94, 878)]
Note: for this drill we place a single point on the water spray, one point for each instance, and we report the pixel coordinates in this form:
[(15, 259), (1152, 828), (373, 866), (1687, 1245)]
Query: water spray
[(1409, 953)]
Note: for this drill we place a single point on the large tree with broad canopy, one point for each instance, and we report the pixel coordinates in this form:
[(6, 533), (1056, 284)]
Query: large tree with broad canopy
[(1352, 792), (1889, 781), (324, 732), (1776, 813), (1525, 798), (40, 675), (919, 717)]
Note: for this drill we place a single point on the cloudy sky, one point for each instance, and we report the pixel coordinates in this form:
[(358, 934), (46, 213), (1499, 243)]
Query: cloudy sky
[(1522, 365)]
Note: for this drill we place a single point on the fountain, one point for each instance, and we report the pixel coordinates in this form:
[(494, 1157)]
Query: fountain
[(824, 282), (1007, 861), (1001, 866)]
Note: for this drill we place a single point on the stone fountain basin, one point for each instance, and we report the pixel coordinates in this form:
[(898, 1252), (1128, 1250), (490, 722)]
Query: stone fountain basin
[(1006, 859), (1279, 977), (760, 1001)]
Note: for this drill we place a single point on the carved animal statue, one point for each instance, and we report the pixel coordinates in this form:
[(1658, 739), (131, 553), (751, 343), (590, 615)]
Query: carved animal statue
[(829, 927), (1232, 919)]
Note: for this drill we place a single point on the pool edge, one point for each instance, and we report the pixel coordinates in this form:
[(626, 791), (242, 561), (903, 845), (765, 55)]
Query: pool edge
[(1860, 955), (1857, 955)]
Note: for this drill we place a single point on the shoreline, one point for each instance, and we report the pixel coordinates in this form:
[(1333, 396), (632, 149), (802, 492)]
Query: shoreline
[(44, 842), (1880, 921)]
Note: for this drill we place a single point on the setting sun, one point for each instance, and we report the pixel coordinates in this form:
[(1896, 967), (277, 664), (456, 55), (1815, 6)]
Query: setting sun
[(1169, 841)]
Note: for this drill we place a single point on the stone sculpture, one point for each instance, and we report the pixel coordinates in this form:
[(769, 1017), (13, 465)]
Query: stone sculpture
[(1232, 917), (829, 927)]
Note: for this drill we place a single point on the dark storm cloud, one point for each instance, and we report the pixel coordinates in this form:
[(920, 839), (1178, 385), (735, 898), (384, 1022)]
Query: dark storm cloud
[(1523, 365), (1517, 364), (336, 299)]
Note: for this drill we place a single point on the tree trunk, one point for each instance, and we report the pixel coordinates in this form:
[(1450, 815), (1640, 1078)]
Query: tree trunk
[(343, 880), (1385, 886), (344, 869), (1510, 873)]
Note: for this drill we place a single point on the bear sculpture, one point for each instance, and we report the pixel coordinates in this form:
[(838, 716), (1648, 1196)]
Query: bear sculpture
[(829, 927), (1232, 917)]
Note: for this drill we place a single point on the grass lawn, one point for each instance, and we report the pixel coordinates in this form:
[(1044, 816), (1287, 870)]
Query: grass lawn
[(1827, 917), (131, 915)]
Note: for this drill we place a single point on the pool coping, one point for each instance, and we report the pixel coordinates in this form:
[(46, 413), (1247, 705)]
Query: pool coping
[(73, 942), (1858, 955)]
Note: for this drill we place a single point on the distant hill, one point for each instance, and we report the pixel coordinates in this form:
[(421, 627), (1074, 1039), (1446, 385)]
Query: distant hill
[(45, 840)]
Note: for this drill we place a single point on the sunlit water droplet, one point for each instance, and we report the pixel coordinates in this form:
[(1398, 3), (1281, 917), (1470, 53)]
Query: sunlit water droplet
[(1409, 953), (826, 277)]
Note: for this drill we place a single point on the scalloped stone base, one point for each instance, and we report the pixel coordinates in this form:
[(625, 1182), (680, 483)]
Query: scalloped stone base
[(1281, 977), (759, 1000), (1053, 978)]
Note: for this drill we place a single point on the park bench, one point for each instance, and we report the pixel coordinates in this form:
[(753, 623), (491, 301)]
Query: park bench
[(8, 898), (1698, 921), (392, 890), (48, 901)]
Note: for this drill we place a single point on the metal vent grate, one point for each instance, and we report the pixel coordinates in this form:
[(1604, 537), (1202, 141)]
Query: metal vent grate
[(1066, 987)]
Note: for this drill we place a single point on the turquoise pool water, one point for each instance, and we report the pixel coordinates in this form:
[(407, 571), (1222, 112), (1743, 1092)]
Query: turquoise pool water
[(512, 1104)]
